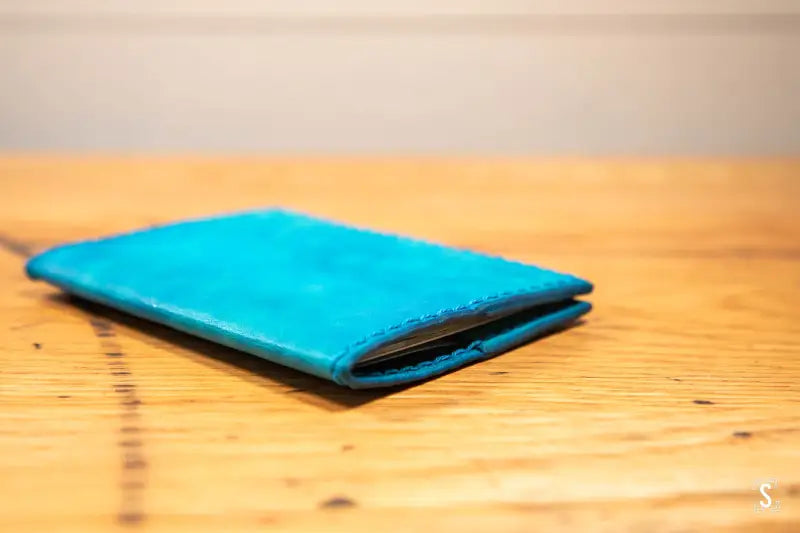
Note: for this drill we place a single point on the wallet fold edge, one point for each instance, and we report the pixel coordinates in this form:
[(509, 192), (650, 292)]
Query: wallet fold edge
[(342, 368)]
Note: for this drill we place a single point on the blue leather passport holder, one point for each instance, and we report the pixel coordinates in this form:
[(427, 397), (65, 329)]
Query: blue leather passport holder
[(361, 308)]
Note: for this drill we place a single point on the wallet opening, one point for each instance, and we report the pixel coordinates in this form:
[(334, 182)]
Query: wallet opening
[(457, 334)]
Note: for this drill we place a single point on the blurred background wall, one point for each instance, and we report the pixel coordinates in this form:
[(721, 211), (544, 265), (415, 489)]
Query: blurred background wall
[(615, 77)]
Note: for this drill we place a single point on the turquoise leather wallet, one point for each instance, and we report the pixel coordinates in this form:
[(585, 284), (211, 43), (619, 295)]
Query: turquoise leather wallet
[(361, 308)]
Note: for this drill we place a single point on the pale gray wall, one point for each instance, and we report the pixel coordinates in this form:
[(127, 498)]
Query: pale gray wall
[(355, 76)]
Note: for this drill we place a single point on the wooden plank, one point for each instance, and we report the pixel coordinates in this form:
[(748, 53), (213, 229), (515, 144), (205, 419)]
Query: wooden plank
[(659, 413)]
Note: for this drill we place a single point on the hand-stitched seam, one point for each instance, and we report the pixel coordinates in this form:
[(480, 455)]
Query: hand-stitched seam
[(439, 359), (424, 364), (439, 314)]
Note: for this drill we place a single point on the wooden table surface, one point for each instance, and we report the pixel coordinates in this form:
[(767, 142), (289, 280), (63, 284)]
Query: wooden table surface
[(663, 411)]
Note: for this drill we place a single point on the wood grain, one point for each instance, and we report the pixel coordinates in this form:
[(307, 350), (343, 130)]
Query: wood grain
[(658, 413)]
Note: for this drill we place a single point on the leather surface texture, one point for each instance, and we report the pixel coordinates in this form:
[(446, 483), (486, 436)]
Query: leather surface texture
[(312, 294)]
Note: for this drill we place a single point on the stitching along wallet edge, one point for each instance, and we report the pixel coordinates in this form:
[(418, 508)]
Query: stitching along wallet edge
[(361, 308)]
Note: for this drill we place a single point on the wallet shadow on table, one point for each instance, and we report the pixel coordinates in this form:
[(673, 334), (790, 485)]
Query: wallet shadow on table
[(305, 387)]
